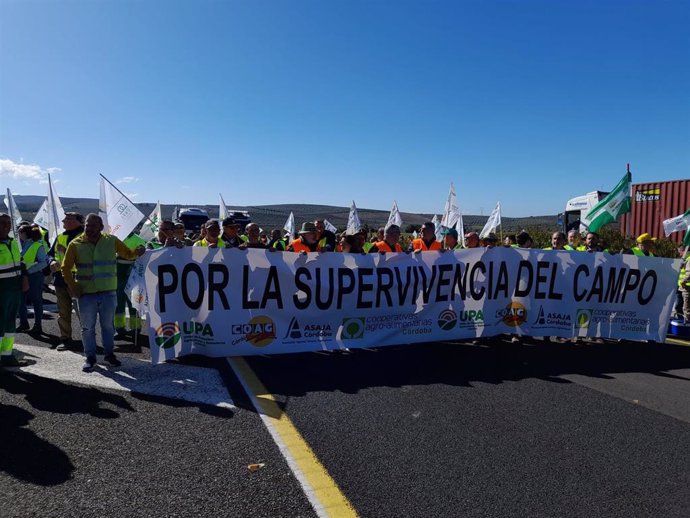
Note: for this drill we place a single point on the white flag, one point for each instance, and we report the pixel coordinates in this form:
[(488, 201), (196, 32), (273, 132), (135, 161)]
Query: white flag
[(289, 226), (460, 227), (55, 212), (677, 224), (354, 225), (329, 226), (175, 213), (414, 234), (451, 211), (394, 217), (493, 222), (437, 227), (222, 209), (150, 228), (119, 214), (135, 288), (14, 211), (41, 217)]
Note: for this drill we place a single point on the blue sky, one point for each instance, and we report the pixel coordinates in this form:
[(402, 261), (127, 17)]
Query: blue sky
[(526, 102)]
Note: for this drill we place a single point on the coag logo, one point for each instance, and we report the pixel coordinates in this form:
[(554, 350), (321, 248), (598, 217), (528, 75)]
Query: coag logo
[(168, 335), (447, 319), (352, 328), (514, 314), (293, 330), (583, 317), (259, 331)]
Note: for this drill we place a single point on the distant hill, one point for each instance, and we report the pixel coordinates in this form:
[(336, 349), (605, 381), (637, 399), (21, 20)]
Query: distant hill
[(274, 216)]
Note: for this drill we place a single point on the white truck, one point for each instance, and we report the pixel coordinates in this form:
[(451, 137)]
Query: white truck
[(576, 207)]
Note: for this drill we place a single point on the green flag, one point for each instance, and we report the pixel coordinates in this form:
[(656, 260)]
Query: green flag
[(616, 203)]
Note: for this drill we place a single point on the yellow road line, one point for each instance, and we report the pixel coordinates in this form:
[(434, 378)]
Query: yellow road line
[(321, 490), (677, 342)]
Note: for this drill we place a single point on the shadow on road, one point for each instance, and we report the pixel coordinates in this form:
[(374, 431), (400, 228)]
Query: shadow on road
[(61, 398), (27, 457), (461, 364)]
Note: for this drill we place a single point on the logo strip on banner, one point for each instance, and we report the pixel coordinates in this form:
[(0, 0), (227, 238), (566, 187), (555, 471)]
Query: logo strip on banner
[(322, 491)]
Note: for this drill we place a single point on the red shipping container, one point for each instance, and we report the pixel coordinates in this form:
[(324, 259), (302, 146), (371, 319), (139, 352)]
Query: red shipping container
[(654, 202)]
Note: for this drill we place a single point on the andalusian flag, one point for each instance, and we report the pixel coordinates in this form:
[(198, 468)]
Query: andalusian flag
[(610, 208)]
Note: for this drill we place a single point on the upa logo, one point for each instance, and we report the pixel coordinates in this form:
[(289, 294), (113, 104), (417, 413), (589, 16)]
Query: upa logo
[(514, 314), (259, 331), (168, 335), (197, 328), (447, 319)]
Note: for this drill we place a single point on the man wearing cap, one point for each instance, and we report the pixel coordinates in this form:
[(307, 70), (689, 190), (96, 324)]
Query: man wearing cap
[(212, 238), (427, 242), (645, 246), (471, 240), (306, 242), (450, 239), (230, 236), (74, 226), (391, 236)]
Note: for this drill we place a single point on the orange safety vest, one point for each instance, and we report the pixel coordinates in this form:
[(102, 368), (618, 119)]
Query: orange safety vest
[(298, 246), (382, 245), (419, 244)]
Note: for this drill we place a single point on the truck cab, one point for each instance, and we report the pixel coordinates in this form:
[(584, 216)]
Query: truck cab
[(576, 207), (192, 218)]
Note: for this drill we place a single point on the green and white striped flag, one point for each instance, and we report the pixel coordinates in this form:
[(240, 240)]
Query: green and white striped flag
[(608, 210)]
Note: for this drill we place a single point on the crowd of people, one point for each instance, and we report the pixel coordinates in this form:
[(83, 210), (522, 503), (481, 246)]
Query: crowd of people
[(90, 268)]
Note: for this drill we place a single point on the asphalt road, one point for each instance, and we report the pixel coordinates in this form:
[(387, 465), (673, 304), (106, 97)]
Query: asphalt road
[(447, 429)]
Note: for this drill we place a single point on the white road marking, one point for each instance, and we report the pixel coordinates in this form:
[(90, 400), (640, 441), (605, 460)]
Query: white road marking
[(175, 381)]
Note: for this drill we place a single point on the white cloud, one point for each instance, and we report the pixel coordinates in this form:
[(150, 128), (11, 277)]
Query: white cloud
[(11, 169), (127, 179), (131, 194)]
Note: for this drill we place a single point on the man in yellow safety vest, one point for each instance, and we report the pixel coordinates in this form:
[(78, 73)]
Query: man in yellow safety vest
[(94, 256)]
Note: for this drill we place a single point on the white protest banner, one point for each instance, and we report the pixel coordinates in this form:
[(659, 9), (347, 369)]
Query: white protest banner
[(149, 229), (118, 213), (228, 302)]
